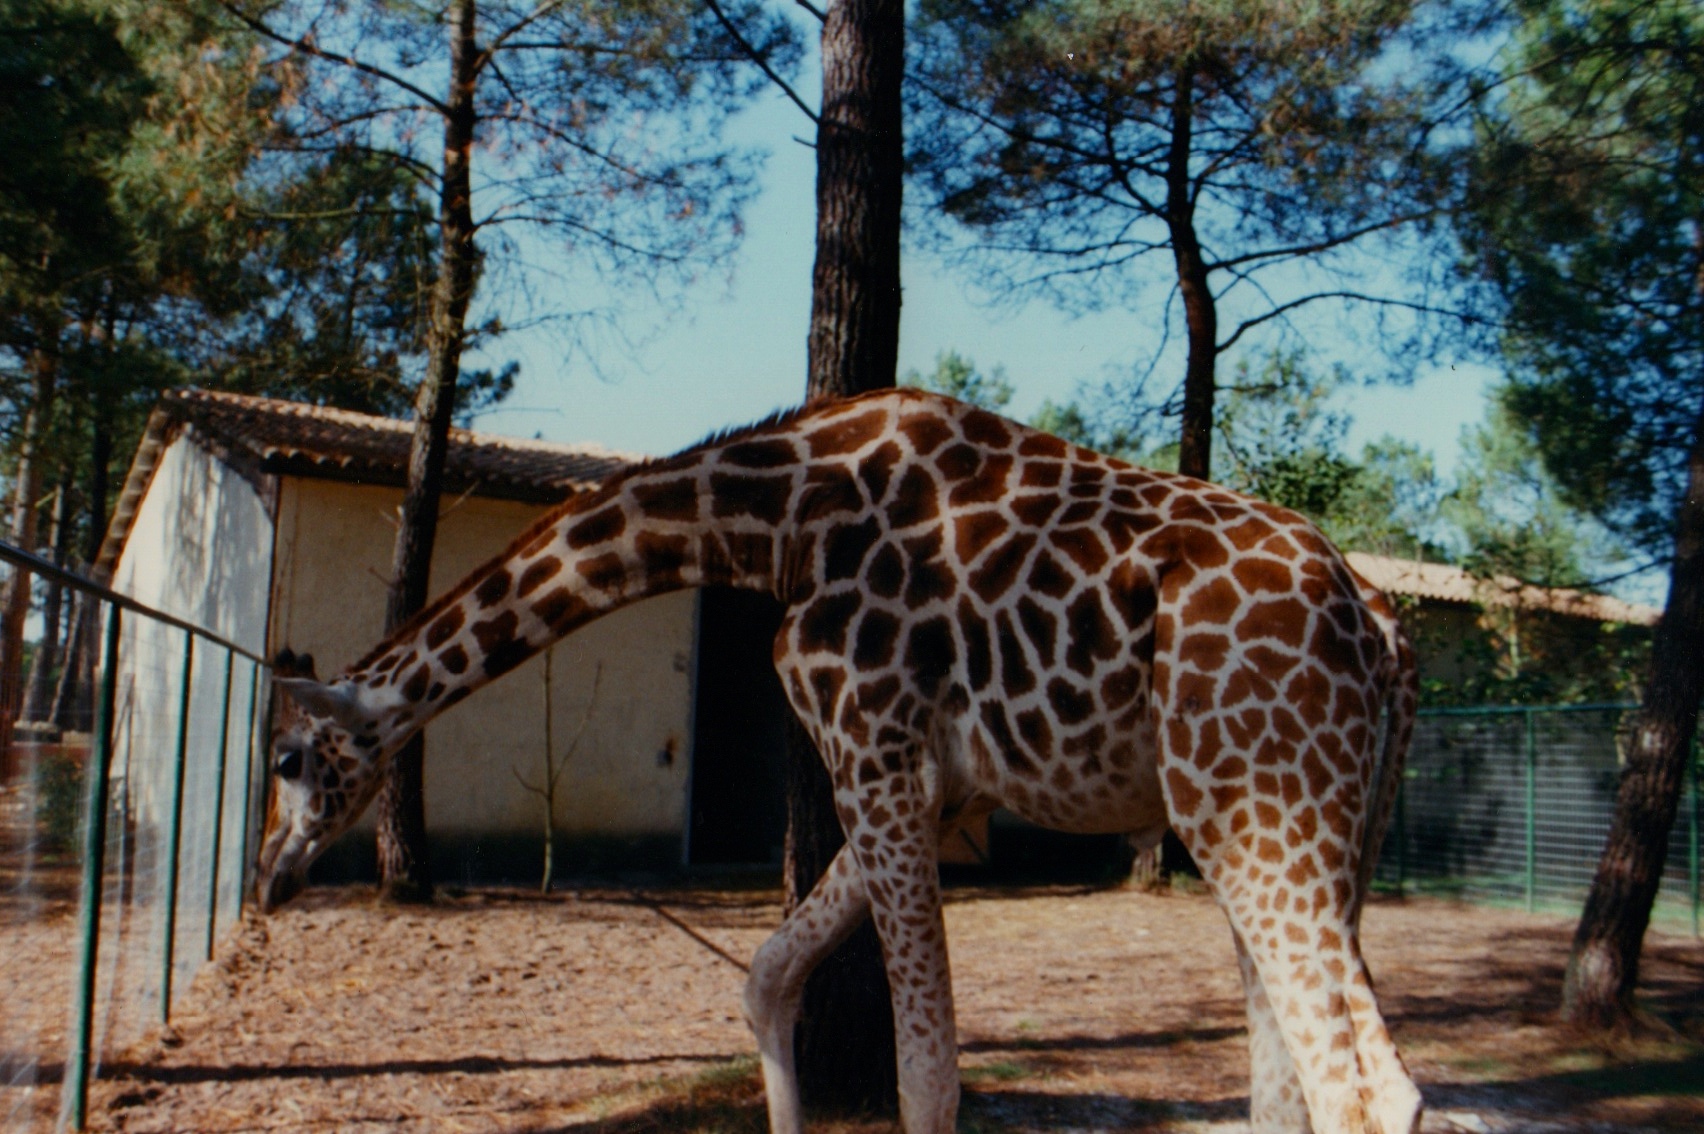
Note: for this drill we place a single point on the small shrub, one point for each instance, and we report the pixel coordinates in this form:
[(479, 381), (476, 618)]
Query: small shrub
[(59, 797)]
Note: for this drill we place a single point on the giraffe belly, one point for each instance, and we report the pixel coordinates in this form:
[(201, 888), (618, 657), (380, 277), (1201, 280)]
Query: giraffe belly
[(1113, 788)]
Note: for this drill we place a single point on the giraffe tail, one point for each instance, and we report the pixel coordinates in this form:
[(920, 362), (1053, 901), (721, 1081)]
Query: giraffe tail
[(1396, 731)]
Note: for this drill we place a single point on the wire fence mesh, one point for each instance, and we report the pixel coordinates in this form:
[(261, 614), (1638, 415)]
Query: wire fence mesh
[(1513, 804), (125, 828)]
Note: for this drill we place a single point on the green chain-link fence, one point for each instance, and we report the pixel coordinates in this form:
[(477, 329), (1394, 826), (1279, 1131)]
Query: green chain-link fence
[(127, 814), (1514, 804)]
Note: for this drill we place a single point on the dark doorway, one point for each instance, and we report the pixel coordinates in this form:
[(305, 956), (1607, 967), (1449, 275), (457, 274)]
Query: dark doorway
[(738, 810)]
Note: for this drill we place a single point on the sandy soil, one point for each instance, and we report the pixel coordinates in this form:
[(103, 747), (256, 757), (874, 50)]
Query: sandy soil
[(1078, 1009)]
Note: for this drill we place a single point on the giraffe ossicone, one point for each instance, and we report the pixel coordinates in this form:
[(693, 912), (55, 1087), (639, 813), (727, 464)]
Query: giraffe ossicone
[(977, 615)]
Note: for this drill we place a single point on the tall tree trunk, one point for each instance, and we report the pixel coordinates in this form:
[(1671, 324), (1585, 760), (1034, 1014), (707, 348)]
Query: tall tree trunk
[(44, 375), (1201, 317), (73, 701), (845, 1037), (1200, 383), (1603, 968), (855, 295), (38, 695), (404, 856)]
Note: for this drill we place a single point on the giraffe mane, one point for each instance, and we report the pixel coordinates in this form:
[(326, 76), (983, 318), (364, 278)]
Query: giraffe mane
[(578, 501), (718, 437)]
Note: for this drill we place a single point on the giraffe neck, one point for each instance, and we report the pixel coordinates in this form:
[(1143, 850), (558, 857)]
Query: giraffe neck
[(719, 516)]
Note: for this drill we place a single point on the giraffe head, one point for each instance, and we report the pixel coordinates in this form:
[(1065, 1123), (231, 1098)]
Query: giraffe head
[(326, 762)]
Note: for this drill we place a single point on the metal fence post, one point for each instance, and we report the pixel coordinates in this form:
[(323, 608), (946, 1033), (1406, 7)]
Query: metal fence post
[(80, 1058), (248, 785), (174, 833), (1531, 805), (219, 806), (1401, 832)]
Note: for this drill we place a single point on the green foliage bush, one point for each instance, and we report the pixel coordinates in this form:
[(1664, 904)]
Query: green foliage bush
[(59, 796)]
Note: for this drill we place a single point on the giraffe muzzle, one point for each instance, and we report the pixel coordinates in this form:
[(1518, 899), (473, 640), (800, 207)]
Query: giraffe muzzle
[(273, 891)]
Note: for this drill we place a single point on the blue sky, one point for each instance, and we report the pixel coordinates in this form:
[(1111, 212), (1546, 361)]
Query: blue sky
[(737, 350)]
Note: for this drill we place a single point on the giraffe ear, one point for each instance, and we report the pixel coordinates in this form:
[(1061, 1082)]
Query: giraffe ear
[(336, 702), (288, 663)]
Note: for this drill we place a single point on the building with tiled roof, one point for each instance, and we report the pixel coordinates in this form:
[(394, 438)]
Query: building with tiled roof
[(1489, 640), (265, 437), (1441, 582), (272, 523)]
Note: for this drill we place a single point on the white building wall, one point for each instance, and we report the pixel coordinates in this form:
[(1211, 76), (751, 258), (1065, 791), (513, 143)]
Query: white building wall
[(629, 774), (199, 548)]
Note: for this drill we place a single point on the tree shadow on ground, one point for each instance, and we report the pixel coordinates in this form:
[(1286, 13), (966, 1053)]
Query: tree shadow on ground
[(125, 1071), (732, 1103), (729, 1100), (1127, 1041), (1519, 977), (1037, 1110), (1670, 1091)]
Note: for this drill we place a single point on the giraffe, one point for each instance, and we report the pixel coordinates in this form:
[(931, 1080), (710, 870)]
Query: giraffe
[(977, 614)]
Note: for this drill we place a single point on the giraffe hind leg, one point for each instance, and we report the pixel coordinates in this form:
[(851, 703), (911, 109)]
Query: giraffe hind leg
[(827, 916), (1283, 871), (1309, 972), (1275, 1101)]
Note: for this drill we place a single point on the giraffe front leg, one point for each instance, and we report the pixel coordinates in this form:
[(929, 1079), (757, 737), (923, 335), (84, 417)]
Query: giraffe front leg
[(892, 825), (1276, 1104), (828, 915)]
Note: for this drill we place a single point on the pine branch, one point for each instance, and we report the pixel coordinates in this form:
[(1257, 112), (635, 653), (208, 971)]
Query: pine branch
[(762, 62), (308, 47)]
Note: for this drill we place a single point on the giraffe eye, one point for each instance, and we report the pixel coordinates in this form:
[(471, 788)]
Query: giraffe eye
[(290, 764)]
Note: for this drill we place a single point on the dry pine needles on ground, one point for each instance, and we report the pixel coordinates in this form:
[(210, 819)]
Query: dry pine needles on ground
[(618, 1013)]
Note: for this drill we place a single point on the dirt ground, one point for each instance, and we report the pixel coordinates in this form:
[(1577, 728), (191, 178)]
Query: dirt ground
[(1078, 1010)]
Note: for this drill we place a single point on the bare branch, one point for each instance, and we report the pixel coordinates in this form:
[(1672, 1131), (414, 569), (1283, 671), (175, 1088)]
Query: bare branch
[(501, 217), (1360, 297), (320, 214), (585, 719), (500, 40), (757, 57), (1325, 244), (538, 791)]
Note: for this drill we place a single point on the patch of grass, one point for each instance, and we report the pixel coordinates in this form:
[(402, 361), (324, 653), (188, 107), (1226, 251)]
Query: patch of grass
[(736, 1073), (1026, 1039), (726, 1098), (1651, 1069), (1481, 1069), (1182, 883), (1005, 1071)]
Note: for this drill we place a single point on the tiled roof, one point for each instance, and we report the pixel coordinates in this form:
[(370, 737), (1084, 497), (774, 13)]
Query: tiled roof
[(1444, 583), (269, 436), (307, 440)]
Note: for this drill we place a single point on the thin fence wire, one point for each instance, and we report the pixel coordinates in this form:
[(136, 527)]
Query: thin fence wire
[(125, 836), (1514, 804)]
